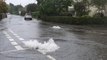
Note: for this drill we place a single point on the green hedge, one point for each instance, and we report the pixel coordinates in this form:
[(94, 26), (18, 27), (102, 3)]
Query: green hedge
[(75, 20), (35, 14)]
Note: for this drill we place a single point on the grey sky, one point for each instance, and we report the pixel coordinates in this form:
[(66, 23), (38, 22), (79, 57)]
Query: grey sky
[(22, 2)]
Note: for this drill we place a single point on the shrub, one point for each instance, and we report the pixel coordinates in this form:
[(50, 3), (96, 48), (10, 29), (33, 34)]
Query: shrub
[(36, 14), (75, 20)]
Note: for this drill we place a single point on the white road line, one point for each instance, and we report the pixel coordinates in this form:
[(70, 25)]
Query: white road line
[(21, 39), (41, 52), (15, 34), (19, 47), (5, 32), (9, 51), (11, 39), (50, 57), (12, 51), (11, 31), (18, 36), (14, 43), (7, 35)]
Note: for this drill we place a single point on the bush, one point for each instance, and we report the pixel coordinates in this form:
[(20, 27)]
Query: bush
[(99, 15), (75, 20), (23, 13), (36, 14), (0, 16)]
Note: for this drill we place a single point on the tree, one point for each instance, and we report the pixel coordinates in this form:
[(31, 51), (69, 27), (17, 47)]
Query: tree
[(3, 7), (15, 9), (79, 8), (100, 4), (31, 7), (53, 7), (82, 7), (62, 5), (11, 8), (39, 2), (47, 7)]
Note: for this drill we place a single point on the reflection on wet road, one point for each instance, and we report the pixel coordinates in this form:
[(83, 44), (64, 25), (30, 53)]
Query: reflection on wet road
[(76, 42)]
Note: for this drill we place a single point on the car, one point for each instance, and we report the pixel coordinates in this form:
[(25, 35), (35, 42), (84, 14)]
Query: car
[(28, 17)]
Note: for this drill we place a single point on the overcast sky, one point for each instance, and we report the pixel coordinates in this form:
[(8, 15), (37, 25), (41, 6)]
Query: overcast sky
[(22, 2)]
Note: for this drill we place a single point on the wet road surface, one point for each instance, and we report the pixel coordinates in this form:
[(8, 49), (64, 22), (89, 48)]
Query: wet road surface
[(76, 42)]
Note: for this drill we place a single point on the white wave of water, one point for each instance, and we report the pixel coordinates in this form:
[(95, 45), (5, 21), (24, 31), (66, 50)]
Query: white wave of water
[(56, 27), (49, 46)]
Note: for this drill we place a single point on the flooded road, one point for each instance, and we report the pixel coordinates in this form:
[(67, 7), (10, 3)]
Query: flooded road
[(76, 42)]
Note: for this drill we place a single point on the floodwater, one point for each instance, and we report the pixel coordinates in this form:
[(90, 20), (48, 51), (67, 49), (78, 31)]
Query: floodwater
[(77, 42)]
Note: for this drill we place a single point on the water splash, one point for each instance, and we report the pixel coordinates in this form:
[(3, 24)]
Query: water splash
[(49, 46), (56, 27)]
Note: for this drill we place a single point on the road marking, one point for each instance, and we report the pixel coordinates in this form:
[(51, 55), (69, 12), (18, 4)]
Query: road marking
[(11, 39), (5, 32), (18, 36), (19, 48), (41, 52), (9, 51), (21, 39), (7, 35), (14, 43), (15, 34), (50, 57), (11, 31), (12, 50)]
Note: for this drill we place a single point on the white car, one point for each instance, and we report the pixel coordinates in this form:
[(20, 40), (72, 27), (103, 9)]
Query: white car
[(28, 17)]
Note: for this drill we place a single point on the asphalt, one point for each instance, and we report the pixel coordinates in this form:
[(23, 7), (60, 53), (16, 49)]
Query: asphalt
[(76, 42)]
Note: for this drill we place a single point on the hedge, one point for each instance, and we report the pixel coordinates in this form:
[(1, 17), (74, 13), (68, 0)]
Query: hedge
[(75, 20)]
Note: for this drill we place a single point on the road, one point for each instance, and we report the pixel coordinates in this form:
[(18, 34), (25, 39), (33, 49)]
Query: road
[(76, 42)]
